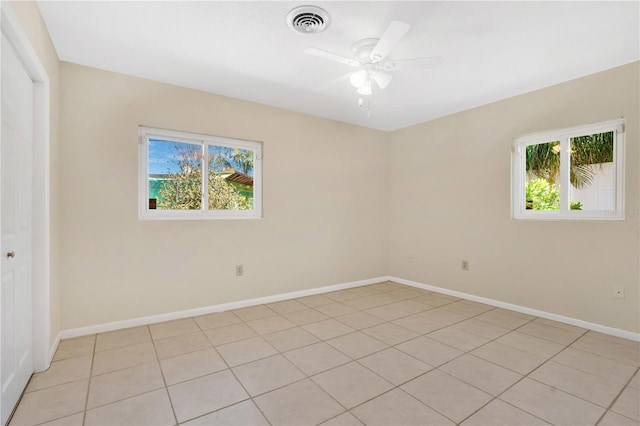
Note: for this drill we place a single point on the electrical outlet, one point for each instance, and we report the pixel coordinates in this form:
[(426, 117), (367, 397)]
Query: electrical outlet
[(618, 292), (239, 270), (465, 265), (411, 259)]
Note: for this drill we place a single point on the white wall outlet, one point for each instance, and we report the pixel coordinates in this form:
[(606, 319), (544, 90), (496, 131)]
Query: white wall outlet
[(618, 292), (411, 259), (465, 265), (239, 270)]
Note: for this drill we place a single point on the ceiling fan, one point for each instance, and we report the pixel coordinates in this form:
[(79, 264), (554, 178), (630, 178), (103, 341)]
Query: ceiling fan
[(369, 57)]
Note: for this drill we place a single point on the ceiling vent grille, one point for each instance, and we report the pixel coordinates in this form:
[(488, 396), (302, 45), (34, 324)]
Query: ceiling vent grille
[(308, 19)]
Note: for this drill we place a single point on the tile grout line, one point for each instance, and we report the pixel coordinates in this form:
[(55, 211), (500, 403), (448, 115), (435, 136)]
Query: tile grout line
[(527, 376), (442, 343), (250, 398), (431, 307), (308, 377), (607, 357), (336, 317), (398, 387), (469, 384), (588, 373), (517, 349), (86, 400), (164, 380), (373, 372), (321, 340), (96, 375), (494, 397), (613, 402)]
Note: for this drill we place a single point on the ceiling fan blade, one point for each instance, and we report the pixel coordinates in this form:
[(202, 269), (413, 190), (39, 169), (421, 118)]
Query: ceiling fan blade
[(382, 78), (331, 56), (392, 35), (412, 63), (333, 82)]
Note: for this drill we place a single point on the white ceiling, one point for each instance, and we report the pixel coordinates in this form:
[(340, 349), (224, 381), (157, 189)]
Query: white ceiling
[(245, 50)]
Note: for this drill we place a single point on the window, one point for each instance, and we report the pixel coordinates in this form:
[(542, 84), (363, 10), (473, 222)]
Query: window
[(574, 173), (171, 170)]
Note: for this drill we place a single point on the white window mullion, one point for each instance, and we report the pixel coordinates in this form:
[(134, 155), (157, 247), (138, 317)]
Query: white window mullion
[(565, 164), (618, 163), (145, 169), (257, 179), (205, 176), (520, 179)]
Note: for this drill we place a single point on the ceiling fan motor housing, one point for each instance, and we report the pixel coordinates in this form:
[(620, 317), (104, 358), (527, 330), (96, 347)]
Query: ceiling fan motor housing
[(308, 19), (362, 50)]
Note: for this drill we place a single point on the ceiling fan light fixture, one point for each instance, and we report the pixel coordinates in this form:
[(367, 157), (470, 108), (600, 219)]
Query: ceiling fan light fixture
[(382, 78), (358, 78), (365, 89)]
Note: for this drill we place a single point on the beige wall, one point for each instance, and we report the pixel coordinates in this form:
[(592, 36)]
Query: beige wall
[(31, 21), (450, 200), (325, 206)]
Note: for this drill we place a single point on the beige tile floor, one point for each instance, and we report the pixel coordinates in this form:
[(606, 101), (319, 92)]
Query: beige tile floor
[(383, 354)]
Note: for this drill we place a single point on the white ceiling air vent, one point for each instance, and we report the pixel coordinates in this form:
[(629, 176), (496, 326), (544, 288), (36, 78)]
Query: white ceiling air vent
[(308, 19)]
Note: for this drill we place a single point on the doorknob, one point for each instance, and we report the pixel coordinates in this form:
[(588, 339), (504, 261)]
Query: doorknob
[(11, 254)]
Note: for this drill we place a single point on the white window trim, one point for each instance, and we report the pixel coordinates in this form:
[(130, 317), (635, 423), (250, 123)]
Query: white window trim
[(144, 213), (518, 173)]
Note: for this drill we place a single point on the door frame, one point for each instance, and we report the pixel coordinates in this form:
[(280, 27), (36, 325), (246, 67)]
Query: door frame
[(12, 29)]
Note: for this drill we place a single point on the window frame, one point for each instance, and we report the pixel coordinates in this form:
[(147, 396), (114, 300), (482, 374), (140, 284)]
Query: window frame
[(145, 213), (519, 178)]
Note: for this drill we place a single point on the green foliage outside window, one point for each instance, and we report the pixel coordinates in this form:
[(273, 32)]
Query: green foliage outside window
[(183, 190), (542, 195), (543, 160), (543, 168)]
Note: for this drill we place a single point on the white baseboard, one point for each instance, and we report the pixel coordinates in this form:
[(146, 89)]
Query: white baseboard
[(523, 309), (101, 328)]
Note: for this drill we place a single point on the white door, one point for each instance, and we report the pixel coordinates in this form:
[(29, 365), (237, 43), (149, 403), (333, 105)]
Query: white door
[(15, 240)]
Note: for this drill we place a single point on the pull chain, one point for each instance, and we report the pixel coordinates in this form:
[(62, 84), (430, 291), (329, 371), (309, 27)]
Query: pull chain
[(361, 103)]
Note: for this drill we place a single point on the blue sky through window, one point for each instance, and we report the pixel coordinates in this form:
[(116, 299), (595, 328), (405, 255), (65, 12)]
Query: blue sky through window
[(162, 156)]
